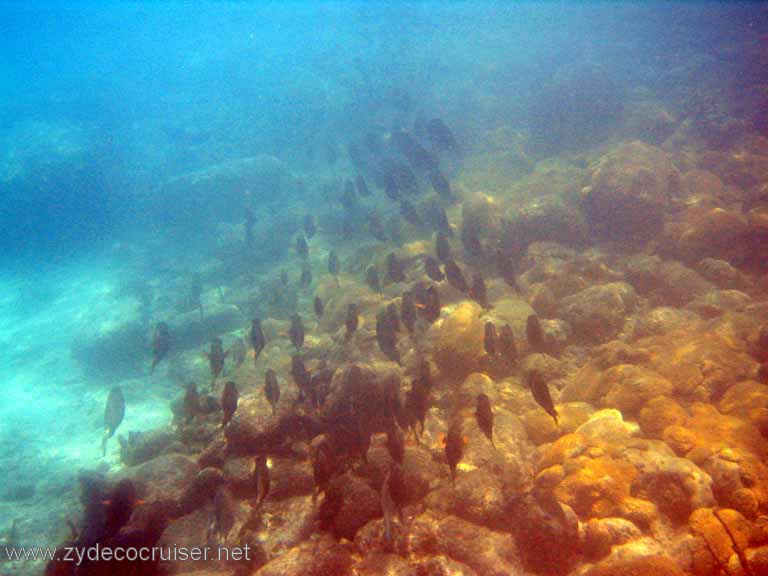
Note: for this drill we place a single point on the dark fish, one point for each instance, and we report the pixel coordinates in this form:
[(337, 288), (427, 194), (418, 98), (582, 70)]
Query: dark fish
[(392, 317), (484, 416), (395, 268), (391, 187), (190, 403), (114, 411), (160, 344), (296, 332), (432, 268), (272, 389), (258, 340), (393, 498), (376, 227), (507, 345), (321, 384), (216, 358), (441, 136), (386, 336), (333, 264), (455, 276), (238, 352), (409, 213), (372, 279), (490, 339), (443, 247), (406, 179), (417, 404), (302, 378), (223, 518), (414, 152), (119, 507), (470, 239), (284, 277), (302, 249), (478, 292), (408, 311), (260, 478), (362, 187), (309, 226), (540, 392), (506, 269), (229, 398), (439, 219), (351, 319), (395, 442), (323, 466), (427, 300), (440, 183), (454, 447), (319, 307), (305, 280), (534, 333)]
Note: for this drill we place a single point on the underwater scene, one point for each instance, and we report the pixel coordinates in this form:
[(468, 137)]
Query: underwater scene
[(384, 288)]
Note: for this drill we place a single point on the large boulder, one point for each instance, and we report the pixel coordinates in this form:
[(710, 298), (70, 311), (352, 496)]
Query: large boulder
[(630, 193), (597, 314)]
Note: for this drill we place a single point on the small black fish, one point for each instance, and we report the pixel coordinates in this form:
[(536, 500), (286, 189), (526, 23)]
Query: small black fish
[(362, 187), (427, 301), (114, 411), (470, 239), (296, 332), (223, 517), (216, 358), (506, 269), (301, 377), (302, 249), (432, 268), (441, 136), (409, 213), (305, 280), (372, 279), (319, 307), (478, 291), (490, 339), (351, 320), (454, 447), (376, 226), (229, 399), (440, 219), (258, 340), (395, 268), (534, 333), (386, 336), (260, 478), (333, 264), (484, 416), (408, 311), (160, 344), (309, 226), (190, 403), (455, 276), (540, 392), (272, 389), (443, 247), (440, 183), (507, 345)]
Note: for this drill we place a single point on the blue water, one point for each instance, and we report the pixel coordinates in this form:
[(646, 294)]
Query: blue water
[(132, 135)]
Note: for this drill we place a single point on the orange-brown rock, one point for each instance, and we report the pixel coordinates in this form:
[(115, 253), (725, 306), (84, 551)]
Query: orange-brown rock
[(659, 413)]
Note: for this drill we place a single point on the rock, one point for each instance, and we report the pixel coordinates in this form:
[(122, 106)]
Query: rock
[(607, 425), (349, 504), (549, 218), (380, 563), (642, 513), (142, 446), (477, 497), (676, 485), (112, 350), (457, 340), (188, 331), (597, 314), (663, 319), (666, 283), (709, 233), (163, 478), (721, 273), (717, 527), (659, 413), (629, 194), (600, 534), (443, 566), (512, 311), (651, 566), (717, 302), (291, 522), (740, 480), (319, 556)]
